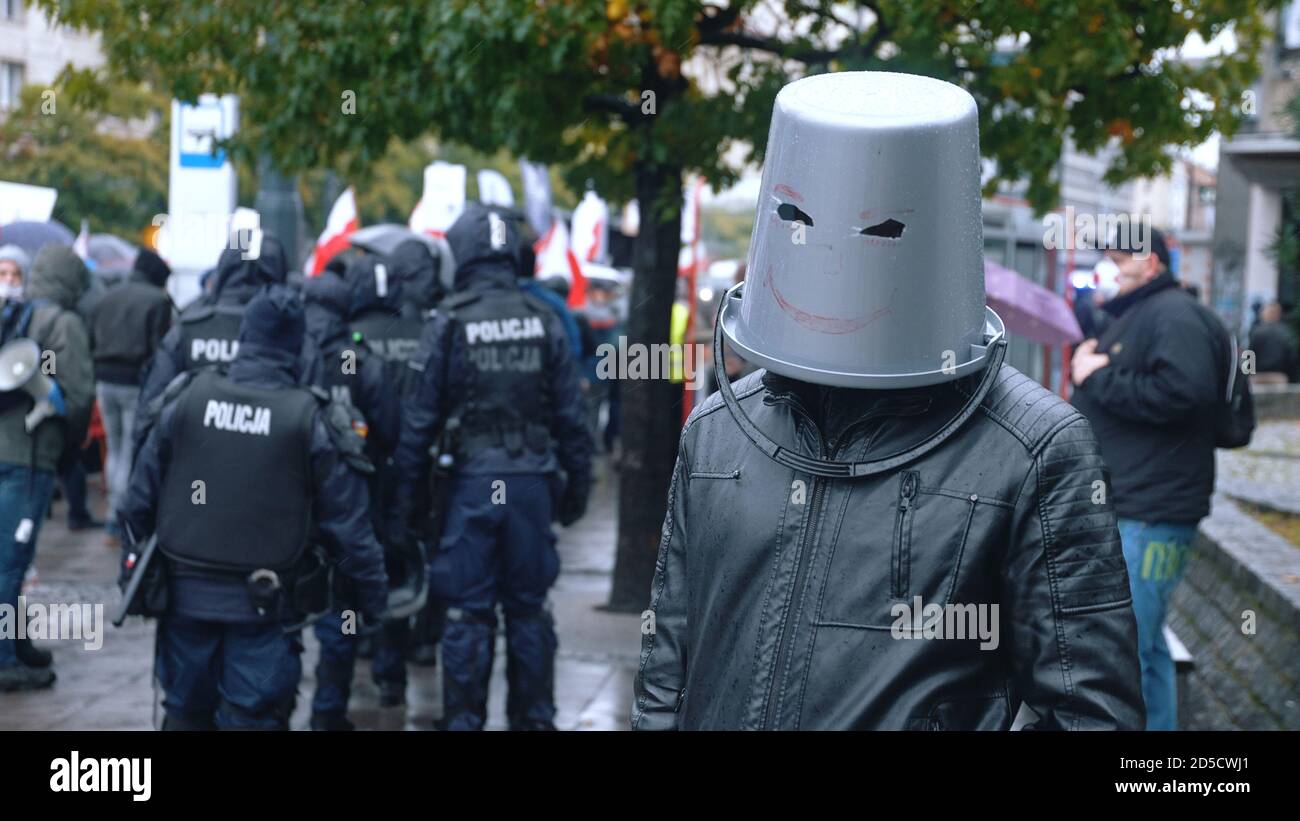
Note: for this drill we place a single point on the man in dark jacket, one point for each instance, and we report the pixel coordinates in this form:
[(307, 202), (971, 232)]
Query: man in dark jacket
[(29, 458), (1149, 386), (391, 298), (352, 375), (1274, 343), (126, 326), (233, 477), (497, 371), (885, 527)]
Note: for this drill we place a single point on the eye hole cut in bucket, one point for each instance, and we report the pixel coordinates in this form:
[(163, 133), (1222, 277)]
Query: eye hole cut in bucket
[(789, 212), (890, 229)]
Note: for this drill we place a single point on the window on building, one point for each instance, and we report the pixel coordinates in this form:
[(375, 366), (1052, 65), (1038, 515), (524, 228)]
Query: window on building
[(11, 83), (11, 10)]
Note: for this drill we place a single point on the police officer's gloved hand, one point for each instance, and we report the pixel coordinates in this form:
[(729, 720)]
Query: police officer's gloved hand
[(573, 504), (373, 603)]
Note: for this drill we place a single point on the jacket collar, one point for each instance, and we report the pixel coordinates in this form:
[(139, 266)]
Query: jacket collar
[(264, 366), (835, 411), (1117, 306)]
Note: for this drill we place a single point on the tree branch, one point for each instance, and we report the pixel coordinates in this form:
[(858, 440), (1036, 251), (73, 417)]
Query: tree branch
[(714, 34)]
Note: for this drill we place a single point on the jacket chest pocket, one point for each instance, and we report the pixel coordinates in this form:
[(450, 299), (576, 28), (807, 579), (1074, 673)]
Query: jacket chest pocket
[(920, 545)]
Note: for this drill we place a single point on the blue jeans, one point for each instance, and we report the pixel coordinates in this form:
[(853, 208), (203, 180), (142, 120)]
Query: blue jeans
[(24, 494), (1156, 554), (117, 404)]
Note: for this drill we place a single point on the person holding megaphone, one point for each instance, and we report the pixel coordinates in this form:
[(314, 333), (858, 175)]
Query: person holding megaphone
[(46, 392)]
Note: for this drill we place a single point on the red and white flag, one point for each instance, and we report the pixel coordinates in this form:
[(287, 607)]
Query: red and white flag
[(343, 220), (555, 257), (589, 239)]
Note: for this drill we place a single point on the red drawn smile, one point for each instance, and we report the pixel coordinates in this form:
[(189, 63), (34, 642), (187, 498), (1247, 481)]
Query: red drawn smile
[(817, 322)]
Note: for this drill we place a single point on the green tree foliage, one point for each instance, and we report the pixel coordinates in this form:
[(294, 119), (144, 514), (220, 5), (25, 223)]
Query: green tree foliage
[(563, 81), (105, 154)]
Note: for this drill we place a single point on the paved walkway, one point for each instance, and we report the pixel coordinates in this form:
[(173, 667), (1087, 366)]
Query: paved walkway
[(111, 688)]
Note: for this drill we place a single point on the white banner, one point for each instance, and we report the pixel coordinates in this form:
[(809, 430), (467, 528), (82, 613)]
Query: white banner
[(442, 201), (537, 196), (494, 189), (26, 203)]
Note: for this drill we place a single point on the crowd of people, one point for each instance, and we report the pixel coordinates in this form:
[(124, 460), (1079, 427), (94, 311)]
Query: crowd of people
[(380, 450)]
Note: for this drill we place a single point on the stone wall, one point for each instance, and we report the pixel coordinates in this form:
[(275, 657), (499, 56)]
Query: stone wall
[(1240, 681)]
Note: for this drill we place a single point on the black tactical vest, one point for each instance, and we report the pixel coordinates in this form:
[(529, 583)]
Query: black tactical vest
[(251, 450), (504, 345), (210, 335), (396, 339)]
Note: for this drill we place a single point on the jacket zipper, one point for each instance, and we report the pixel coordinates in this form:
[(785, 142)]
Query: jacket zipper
[(902, 551), (805, 549)]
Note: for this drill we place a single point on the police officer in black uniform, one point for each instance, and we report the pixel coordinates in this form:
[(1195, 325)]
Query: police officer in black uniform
[(498, 394), (234, 474), (207, 330), (347, 371), (392, 296)]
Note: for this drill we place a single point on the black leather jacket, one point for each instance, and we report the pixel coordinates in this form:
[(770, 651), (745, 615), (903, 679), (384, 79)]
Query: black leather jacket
[(776, 597)]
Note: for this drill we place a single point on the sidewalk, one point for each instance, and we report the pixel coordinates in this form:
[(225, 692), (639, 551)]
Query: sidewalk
[(111, 688)]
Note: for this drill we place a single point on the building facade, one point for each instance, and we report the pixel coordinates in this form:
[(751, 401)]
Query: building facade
[(33, 51)]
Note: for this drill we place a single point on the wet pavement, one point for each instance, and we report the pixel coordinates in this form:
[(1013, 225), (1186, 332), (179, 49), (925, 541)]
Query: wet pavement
[(111, 688)]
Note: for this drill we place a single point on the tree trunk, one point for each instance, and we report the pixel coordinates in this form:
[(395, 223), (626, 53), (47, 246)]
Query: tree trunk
[(651, 408)]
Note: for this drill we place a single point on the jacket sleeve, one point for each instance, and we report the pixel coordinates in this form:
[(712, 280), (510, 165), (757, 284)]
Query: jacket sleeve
[(660, 682), (161, 370), (139, 507), (1066, 606), (379, 403), (74, 370), (157, 323), (569, 421), (342, 511), (1179, 377), (419, 424)]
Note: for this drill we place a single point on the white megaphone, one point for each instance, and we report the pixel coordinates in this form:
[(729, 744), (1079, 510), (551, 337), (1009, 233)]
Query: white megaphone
[(20, 370)]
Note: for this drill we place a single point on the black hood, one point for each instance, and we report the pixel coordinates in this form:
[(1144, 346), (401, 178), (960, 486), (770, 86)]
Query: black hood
[(485, 243), (415, 271), (152, 268), (365, 277), (326, 301), (237, 279)]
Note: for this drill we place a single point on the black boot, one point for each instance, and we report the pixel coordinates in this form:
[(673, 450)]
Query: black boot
[(21, 677), (392, 693), (331, 723), (33, 656)]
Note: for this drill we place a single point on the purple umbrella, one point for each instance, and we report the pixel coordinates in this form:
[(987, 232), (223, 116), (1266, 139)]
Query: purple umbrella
[(33, 236), (114, 257), (1029, 309)]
